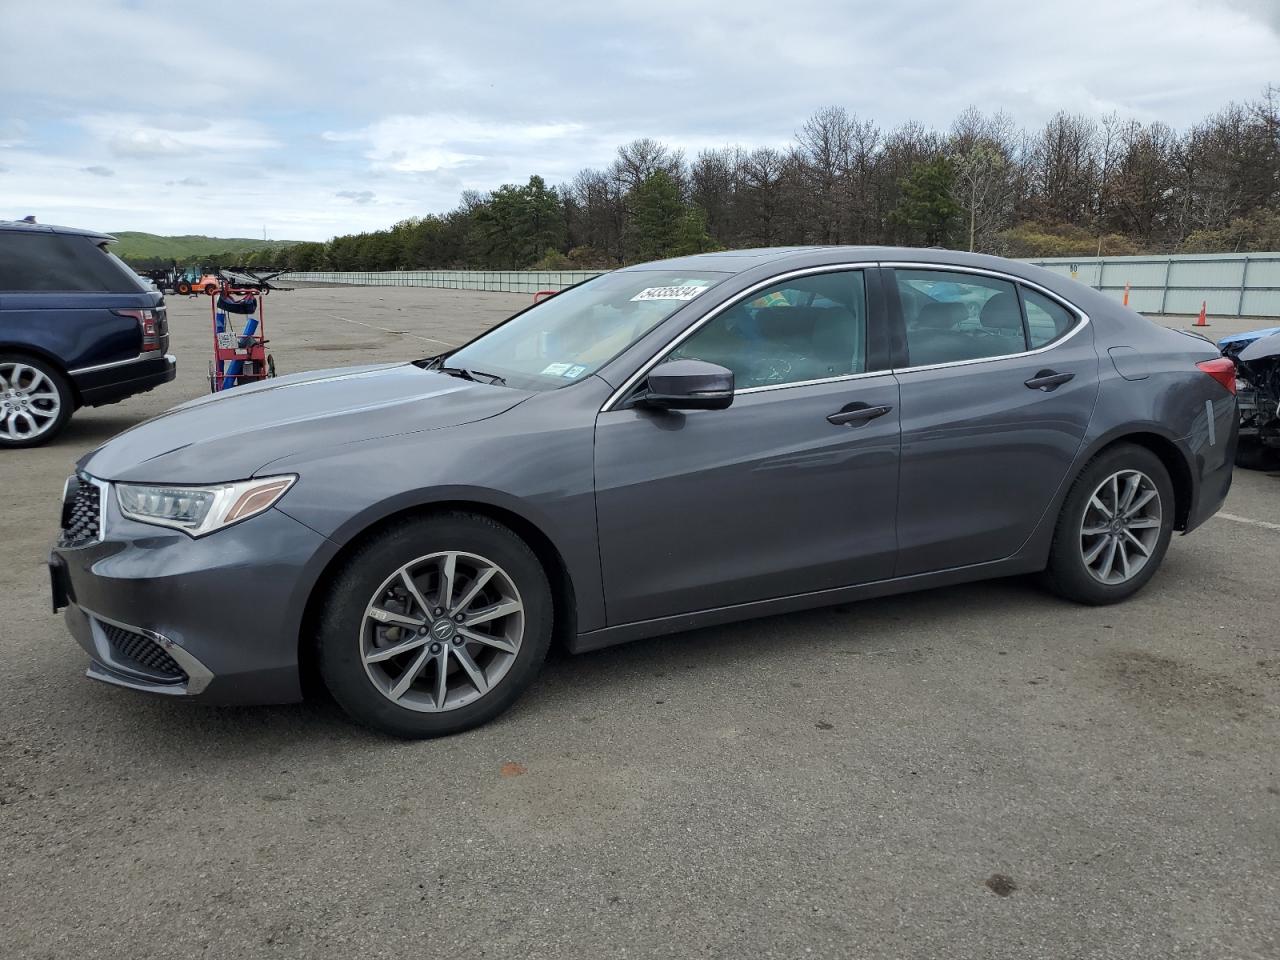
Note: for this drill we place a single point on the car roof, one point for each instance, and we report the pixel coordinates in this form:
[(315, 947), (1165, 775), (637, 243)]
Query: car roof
[(767, 261), (23, 226), (740, 261)]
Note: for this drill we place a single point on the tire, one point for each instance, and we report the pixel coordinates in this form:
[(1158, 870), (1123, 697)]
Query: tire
[(368, 601), (183, 289), (210, 289), (1253, 455), (1070, 574), (36, 401)]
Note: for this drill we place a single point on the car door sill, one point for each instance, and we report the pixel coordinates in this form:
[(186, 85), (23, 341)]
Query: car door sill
[(641, 629)]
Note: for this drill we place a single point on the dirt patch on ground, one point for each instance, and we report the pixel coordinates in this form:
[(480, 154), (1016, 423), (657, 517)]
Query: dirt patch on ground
[(1168, 687)]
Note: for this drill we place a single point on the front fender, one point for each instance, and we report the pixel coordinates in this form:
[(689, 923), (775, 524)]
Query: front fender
[(513, 463)]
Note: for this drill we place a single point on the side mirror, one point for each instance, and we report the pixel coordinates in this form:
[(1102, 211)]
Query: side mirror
[(688, 385)]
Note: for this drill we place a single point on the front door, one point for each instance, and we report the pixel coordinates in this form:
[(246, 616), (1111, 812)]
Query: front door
[(790, 490)]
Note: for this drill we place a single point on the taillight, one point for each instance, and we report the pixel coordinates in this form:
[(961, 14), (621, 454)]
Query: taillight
[(1222, 370), (147, 326)]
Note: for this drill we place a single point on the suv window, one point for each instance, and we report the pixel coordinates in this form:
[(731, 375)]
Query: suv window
[(809, 328), (1047, 321), (50, 261), (958, 316)]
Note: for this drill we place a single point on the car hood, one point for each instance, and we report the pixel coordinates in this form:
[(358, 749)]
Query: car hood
[(1246, 338), (232, 435)]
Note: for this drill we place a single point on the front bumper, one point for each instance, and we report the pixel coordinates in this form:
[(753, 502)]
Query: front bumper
[(215, 619)]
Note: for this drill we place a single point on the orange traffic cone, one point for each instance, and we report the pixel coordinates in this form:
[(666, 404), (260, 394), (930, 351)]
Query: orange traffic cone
[(1200, 320), (1126, 293)]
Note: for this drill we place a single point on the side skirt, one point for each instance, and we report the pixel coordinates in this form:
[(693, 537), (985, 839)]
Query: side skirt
[(626, 632)]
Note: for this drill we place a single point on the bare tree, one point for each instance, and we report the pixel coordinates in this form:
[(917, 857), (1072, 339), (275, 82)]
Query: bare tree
[(983, 189)]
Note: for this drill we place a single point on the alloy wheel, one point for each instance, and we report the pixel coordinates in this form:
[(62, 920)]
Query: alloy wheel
[(1121, 526), (29, 401), (442, 631)]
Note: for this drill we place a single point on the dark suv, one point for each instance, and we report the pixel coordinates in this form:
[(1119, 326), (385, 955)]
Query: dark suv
[(77, 328)]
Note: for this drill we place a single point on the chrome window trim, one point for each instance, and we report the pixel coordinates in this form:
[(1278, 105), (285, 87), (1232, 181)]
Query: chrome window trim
[(145, 355), (810, 383), (629, 384), (1082, 318)]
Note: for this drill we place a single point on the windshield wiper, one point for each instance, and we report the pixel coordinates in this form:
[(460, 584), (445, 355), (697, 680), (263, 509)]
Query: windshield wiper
[(474, 375)]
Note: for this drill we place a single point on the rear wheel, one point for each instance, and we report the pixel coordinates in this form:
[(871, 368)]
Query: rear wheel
[(435, 626), (35, 401), (210, 289), (1114, 527), (183, 288)]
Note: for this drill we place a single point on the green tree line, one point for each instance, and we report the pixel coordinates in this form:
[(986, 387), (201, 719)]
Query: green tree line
[(1079, 185)]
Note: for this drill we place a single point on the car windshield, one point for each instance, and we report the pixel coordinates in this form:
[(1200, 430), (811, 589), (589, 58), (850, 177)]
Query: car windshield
[(573, 334)]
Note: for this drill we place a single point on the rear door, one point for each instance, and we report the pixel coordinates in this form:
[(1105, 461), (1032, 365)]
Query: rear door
[(790, 490), (60, 292), (998, 383)]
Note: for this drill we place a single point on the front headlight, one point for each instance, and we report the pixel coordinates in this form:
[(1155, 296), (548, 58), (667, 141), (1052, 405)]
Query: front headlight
[(200, 510)]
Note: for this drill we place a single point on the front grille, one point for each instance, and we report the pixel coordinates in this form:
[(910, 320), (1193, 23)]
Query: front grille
[(139, 652), (81, 513)]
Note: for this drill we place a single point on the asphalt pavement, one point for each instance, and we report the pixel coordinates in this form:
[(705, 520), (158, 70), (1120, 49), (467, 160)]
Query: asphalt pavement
[(978, 771)]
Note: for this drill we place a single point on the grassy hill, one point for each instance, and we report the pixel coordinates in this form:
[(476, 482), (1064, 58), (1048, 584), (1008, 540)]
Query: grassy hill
[(136, 247)]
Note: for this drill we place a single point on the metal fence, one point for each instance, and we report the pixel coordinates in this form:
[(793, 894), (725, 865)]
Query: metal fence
[(1230, 284), (495, 281)]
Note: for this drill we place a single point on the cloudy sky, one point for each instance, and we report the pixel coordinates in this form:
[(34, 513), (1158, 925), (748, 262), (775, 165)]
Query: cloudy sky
[(315, 118)]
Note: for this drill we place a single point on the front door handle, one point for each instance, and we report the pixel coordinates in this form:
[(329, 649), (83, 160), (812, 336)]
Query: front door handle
[(857, 414), (1048, 380)]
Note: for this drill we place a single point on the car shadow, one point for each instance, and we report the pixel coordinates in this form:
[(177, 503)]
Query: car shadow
[(173, 731), (91, 431)]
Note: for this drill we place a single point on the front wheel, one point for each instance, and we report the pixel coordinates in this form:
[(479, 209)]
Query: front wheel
[(35, 401), (1114, 527), (435, 626)]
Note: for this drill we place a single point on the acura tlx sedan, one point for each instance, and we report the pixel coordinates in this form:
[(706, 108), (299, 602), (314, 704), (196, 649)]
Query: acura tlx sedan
[(672, 445)]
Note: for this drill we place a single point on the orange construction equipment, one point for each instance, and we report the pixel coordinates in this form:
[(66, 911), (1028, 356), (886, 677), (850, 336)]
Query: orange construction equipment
[(206, 283), (1200, 320)]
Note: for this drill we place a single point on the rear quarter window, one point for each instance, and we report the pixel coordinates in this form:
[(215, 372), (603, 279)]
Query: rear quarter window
[(56, 262), (1047, 320)]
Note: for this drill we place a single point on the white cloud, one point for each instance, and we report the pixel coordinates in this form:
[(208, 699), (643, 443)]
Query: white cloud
[(294, 122), (99, 171), (435, 142), (133, 135)]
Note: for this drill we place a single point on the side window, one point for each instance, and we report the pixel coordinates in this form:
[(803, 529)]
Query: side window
[(958, 316), (809, 328), (1047, 321), (49, 261)]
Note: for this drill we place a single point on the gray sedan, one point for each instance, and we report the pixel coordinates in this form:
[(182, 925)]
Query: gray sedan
[(672, 445)]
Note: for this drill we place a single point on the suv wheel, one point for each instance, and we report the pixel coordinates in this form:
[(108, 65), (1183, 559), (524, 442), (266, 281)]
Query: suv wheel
[(436, 626), (35, 401), (1114, 527)]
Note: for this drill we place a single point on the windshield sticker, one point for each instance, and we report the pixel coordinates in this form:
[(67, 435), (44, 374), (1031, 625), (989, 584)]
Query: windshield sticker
[(555, 369), (574, 372), (668, 293)]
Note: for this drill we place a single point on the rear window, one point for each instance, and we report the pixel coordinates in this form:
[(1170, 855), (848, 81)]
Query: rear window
[(51, 261)]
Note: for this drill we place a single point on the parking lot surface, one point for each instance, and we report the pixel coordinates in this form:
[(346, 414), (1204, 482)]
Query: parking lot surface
[(978, 771)]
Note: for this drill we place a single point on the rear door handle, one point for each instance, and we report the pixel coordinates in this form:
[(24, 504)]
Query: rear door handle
[(856, 414), (1048, 380)]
